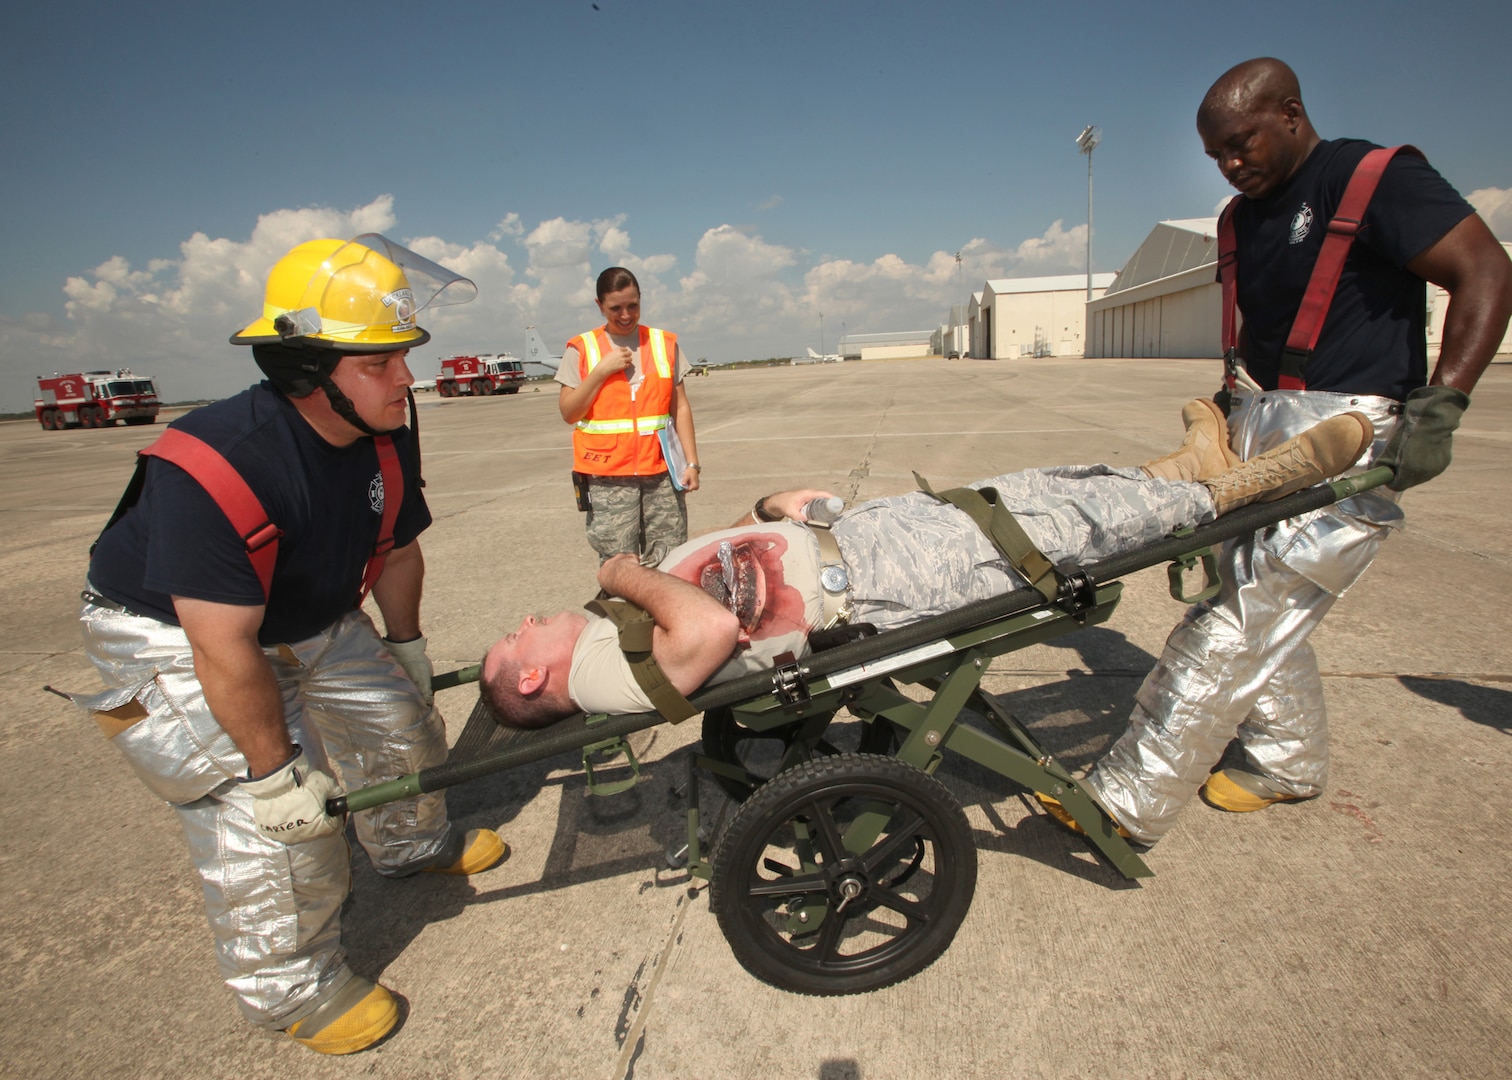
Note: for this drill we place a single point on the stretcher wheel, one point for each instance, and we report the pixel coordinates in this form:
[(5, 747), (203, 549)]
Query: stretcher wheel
[(804, 912), (759, 752)]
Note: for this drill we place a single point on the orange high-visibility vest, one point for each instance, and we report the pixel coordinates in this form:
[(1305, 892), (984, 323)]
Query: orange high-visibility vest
[(617, 436)]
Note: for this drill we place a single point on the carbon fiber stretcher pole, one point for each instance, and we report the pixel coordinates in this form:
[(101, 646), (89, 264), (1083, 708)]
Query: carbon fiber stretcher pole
[(521, 747)]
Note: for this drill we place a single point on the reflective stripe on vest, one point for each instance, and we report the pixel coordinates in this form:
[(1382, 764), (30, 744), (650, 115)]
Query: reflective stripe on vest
[(657, 339), (646, 425)]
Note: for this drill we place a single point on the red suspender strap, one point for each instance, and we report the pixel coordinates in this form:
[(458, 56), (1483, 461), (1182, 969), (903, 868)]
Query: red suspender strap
[(230, 492), (393, 494), (1342, 228), (1228, 258)]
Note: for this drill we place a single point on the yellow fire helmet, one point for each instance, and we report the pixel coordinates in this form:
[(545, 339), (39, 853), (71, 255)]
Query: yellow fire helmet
[(355, 296)]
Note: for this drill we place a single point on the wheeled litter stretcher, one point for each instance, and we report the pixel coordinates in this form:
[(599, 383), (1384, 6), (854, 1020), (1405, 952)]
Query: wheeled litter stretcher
[(844, 872)]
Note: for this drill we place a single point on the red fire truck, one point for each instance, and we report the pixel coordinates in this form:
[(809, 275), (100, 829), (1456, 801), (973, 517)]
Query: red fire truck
[(480, 375), (95, 399)]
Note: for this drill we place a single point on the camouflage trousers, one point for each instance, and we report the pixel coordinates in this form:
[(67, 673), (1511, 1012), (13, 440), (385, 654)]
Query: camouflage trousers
[(645, 516), (911, 556)]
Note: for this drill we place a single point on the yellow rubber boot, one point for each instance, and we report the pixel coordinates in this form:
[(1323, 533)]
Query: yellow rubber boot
[(1054, 808), (482, 849), (1241, 792), (352, 1019)]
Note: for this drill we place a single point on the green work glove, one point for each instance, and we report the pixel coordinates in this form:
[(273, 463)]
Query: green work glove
[(412, 658), (288, 804), (1419, 447)]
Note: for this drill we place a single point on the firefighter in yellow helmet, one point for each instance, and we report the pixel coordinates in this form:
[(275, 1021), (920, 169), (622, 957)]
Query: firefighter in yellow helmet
[(245, 684)]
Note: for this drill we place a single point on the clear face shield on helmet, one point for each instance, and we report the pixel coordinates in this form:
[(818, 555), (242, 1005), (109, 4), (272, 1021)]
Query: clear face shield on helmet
[(365, 296)]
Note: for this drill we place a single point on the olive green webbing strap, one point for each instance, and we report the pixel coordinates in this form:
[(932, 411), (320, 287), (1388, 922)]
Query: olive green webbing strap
[(1006, 534), (635, 627)]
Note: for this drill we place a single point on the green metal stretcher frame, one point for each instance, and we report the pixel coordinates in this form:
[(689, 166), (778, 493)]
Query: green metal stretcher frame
[(947, 654)]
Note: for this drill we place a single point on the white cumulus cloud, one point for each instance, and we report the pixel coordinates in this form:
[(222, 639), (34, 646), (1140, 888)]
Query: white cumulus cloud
[(1495, 206), (739, 296)]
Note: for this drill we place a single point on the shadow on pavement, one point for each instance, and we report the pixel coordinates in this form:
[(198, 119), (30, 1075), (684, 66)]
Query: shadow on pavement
[(1485, 705)]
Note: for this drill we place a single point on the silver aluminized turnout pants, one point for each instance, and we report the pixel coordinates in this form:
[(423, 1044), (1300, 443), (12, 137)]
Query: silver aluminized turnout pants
[(274, 908), (1239, 666)]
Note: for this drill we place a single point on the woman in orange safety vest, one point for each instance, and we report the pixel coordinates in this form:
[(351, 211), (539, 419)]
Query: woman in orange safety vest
[(622, 384)]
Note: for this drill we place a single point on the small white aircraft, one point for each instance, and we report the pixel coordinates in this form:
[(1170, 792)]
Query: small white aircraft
[(423, 384), (827, 358), (536, 352)]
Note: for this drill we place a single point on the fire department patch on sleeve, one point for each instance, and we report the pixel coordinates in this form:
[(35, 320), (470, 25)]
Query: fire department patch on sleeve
[(375, 492)]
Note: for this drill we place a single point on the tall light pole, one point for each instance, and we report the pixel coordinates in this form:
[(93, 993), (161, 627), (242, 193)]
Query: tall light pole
[(821, 333), (1087, 142)]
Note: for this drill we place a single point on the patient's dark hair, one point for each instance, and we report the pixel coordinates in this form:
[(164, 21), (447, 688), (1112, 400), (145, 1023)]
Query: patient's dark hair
[(614, 279), (511, 708)]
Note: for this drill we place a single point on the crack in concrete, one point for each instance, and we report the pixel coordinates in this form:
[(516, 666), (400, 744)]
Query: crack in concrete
[(633, 1043)]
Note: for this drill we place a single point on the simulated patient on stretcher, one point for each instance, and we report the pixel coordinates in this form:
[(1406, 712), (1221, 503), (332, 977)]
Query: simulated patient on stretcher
[(728, 603)]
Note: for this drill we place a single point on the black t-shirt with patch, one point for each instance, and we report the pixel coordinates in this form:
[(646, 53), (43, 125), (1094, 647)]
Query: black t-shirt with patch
[(1373, 339), (326, 499)]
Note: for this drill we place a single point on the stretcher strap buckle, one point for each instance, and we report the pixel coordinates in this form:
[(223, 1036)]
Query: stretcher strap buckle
[(1077, 593), (789, 681)]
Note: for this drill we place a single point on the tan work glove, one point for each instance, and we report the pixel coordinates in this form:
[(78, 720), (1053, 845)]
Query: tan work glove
[(289, 803), (411, 657)]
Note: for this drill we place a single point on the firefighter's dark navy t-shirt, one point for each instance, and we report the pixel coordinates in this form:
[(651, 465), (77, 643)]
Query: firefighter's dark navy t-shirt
[(328, 501), (1373, 337)]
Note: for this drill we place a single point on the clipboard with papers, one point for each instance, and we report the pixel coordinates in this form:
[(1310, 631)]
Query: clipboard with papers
[(674, 454)]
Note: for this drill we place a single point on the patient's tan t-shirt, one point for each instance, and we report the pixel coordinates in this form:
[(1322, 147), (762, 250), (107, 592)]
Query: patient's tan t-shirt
[(767, 574)]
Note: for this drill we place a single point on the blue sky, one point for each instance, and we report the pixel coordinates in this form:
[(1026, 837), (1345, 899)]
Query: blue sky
[(756, 164)]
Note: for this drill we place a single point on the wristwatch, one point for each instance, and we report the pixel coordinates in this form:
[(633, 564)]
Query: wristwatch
[(759, 512), (695, 466)]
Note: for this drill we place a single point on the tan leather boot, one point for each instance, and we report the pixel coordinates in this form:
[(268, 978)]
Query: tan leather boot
[(1205, 450), (1322, 451)]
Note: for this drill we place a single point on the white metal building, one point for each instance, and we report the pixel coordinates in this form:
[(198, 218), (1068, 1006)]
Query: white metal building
[(1166, 301), (1438, 305), (1041, 316), (901, 344), (974, 342)]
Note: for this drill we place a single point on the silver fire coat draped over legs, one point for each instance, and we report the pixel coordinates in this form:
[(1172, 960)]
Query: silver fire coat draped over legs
[(1239, 666)]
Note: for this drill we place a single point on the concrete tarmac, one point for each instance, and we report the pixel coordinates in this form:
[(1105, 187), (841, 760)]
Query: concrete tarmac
[(1366, 933)]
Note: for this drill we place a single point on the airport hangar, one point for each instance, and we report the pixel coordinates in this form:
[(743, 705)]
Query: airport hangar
[(1165, 303)]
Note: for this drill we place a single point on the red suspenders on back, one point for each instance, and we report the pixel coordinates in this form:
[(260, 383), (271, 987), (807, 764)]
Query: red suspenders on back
[(245, 511), (1324, 281)]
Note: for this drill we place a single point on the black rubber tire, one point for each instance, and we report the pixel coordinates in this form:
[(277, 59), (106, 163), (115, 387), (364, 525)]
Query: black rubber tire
[(482, 387), (726, 740), (756, 887), (49, 420), (138, 421)]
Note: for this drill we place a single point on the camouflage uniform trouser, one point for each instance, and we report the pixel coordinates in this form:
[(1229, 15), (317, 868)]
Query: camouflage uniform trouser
[(634, 514), (911, 556)]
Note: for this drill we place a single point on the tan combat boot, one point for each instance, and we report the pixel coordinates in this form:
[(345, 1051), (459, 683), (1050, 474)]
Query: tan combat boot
[(1322, 451), (1205, 450)]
